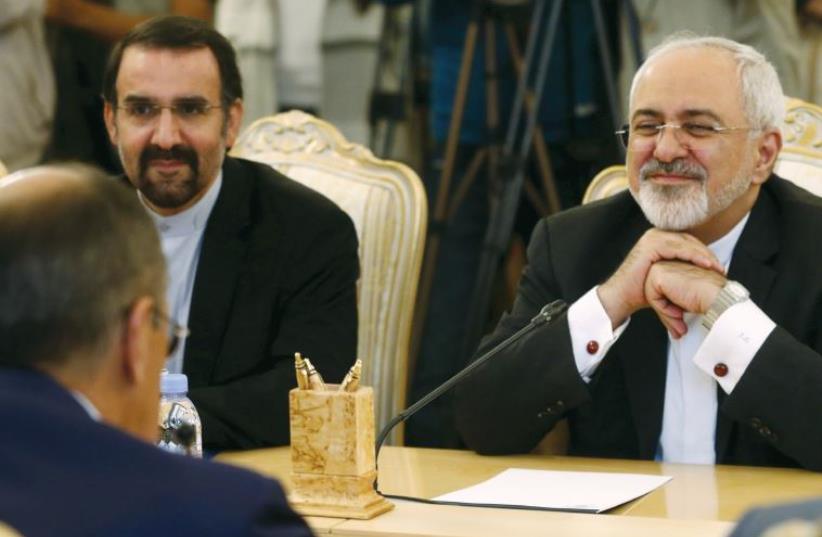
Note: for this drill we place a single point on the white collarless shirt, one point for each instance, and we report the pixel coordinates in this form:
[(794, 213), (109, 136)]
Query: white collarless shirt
[(181, 237), (690, 406)]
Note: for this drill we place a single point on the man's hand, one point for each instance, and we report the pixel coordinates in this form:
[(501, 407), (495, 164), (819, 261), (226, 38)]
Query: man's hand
[(624, 292), (673, 288)]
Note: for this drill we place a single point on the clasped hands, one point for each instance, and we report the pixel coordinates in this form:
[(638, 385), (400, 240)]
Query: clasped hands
[(673, 273)]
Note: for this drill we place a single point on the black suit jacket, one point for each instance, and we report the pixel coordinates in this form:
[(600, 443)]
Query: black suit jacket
[(772, 417), (63, 474), (276, 275)]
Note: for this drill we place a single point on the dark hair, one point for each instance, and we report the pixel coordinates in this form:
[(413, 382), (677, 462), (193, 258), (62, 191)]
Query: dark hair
[(72, 261), (175, 32)]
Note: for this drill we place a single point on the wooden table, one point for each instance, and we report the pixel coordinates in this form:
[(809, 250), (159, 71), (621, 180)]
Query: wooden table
[(699, 500)]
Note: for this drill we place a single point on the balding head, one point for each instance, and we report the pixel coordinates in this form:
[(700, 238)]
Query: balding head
[(76, 250)]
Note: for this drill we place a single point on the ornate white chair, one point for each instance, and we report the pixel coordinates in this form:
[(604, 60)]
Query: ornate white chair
[(387, 203), (800, 160), (608, 182), (801, 157)]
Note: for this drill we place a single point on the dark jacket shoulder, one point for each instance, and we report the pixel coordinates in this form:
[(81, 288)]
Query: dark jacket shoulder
[(271, 192)]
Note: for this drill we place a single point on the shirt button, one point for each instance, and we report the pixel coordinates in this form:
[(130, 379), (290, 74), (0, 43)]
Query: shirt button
[(720, 369), (592, 347)]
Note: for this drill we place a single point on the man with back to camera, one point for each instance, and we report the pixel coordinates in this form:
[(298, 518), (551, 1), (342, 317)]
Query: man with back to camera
[(84, 332), (260, 266), (736, 378)]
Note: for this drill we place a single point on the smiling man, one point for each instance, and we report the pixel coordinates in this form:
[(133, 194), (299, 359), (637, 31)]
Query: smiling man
[(260, 267), (692, 333)]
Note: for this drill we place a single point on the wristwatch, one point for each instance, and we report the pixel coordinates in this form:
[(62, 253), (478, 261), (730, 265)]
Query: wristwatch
[(731, 293)]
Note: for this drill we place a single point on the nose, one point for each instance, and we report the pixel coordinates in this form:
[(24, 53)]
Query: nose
[(668, 147), (167, 130)]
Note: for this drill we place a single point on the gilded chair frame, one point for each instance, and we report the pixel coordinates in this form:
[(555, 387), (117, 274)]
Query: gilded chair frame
[(387, 203)]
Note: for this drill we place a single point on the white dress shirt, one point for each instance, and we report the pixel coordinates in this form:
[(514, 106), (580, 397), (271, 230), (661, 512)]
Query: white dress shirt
[(181, 237), (689, 417)]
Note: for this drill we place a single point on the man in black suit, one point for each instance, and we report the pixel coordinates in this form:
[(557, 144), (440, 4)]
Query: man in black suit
[(260, 266), (709, 246), (83, 336)]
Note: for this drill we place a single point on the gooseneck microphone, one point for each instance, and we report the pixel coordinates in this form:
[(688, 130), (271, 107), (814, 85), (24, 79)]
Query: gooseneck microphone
[(545, 315)]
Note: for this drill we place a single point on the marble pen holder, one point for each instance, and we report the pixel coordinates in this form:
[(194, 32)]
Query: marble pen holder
[(332, 453)]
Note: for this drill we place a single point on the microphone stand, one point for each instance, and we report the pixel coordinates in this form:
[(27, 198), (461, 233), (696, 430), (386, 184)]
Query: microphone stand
[(545, 315)]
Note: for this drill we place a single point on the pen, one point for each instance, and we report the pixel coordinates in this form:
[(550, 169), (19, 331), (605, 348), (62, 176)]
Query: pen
[(352, 379), (301, 371), (315, 381)]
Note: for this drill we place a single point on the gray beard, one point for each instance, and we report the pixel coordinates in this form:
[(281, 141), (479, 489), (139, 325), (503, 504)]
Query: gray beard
[(673, 207), (683, 207)]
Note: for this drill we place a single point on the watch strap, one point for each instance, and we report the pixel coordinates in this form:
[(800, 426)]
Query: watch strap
[(731, 293)]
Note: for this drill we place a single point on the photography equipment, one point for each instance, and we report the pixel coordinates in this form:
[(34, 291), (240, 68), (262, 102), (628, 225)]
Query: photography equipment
[(506, 160)]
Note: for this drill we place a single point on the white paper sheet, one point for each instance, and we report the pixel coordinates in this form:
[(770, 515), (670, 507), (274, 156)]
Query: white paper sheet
[(592, 492)]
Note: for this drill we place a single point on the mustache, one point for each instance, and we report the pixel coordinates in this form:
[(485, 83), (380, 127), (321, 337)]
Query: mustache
[(178, 152), (678, 166)]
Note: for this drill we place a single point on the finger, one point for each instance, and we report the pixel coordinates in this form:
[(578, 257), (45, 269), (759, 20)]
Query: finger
[(707, 258), (676, 327), (698, 255), (665, 307), (671, 316), (671, 242)]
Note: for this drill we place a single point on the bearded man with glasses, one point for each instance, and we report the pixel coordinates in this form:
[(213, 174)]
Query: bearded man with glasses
[(692, 333), (260, 266)]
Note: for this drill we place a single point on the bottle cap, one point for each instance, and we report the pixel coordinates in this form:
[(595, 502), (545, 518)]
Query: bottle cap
[(173, 383)]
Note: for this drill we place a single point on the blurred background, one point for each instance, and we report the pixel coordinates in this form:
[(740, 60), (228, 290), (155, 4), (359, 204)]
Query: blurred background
[(432, 83)]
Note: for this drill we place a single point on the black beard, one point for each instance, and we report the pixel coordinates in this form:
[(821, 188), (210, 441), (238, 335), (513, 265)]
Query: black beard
[(183, 191)]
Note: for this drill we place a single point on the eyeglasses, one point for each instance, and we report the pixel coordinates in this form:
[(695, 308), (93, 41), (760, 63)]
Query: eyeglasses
[(176, 331), (192, 112), (692, 135)]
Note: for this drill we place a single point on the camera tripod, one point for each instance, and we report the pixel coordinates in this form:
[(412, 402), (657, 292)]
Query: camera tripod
[(504, 159)]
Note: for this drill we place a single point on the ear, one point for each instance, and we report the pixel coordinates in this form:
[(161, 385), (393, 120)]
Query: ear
[(235, 119), (138, 343), (111, 126), (767, 149)]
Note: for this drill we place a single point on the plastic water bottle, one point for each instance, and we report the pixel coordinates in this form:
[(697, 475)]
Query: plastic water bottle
[(178, 417)]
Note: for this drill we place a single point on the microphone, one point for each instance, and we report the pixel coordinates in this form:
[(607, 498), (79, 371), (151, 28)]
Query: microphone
[(545, 315)]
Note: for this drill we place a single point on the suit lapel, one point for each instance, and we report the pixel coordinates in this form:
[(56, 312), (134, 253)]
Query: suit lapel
[(751, 267), (644, 356), (642, 353), (219, 266)]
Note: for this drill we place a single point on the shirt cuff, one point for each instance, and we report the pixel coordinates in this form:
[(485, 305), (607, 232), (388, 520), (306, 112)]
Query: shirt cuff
[(591, 333), (733, 341)]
